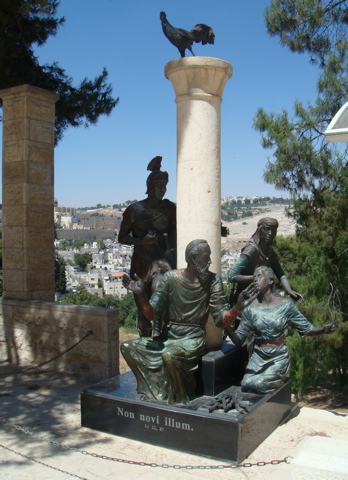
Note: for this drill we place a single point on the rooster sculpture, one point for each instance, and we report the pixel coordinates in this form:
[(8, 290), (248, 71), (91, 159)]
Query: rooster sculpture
[(183, 39)]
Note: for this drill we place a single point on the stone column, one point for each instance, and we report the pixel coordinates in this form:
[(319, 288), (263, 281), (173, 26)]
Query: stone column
[(199, 83), (28, 196)]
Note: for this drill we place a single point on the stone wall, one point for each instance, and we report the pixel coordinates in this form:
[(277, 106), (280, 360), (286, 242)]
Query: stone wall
[(32, 332)]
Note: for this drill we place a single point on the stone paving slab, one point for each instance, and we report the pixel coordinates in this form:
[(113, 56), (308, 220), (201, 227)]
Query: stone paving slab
[(322, 458), (48, 404)]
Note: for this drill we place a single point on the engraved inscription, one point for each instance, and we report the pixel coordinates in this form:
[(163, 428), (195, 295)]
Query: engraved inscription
[(156, 422), (170, 422), (124, 413), (147, 418)]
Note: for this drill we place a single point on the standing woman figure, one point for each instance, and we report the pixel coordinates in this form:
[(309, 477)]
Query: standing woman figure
[(259, 252)]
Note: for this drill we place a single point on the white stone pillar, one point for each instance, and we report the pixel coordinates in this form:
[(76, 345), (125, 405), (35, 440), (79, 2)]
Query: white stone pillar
[(199, 83)]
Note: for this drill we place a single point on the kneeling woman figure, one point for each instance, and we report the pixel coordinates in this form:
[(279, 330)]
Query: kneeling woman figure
[(268, 318)]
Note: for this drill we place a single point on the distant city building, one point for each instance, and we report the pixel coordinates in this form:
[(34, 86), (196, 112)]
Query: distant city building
[(69, 219), (227, 262), (105, 271)]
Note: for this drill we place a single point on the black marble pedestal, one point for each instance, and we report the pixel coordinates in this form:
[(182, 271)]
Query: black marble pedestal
[(220, 368), (111, 407)]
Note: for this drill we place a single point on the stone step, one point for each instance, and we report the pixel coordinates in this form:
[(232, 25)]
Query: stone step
[(320, 458)]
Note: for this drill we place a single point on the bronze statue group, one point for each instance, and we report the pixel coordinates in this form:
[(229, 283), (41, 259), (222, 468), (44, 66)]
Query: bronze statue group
[(174, 304)]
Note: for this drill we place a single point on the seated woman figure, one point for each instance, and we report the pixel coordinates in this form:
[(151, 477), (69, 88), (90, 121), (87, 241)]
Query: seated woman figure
[(268, 318)]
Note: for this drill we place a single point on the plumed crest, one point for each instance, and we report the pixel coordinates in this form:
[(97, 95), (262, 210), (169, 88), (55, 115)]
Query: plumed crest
[(204, 34), (155, 164)]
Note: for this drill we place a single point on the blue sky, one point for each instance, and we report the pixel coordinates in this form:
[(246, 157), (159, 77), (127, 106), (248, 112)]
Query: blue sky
[(107, 163)]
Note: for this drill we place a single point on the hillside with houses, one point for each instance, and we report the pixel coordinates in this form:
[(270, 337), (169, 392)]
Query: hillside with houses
[(82, 232)]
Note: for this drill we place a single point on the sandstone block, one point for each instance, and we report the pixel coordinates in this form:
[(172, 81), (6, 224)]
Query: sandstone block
[(14, 216), (40, 174), (80, 324), (14, 130), (40, 216), (12, 237), (40, 258), (33, 336), (13, 172), (13, 258), (38, 238), (13, 280), (40, 109), (36, 280), (40, 152), (43, 295), (12, 150), (39, 320), (41, 131), (40, 195), (14, 108), (16, 295), (13, 194)]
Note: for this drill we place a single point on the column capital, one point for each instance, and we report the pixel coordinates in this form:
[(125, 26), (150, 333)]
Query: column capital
[(26, 89), (198, 77)]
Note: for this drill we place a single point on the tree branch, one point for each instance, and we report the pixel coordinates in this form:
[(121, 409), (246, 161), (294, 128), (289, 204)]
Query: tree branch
[(332, 7)]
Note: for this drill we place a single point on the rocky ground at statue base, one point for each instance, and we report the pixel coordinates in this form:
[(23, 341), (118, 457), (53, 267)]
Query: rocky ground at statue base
[(326, 397)]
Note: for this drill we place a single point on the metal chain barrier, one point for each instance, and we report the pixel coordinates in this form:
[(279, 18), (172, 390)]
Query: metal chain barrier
[(35, 367), (143, 464), (41, 463)]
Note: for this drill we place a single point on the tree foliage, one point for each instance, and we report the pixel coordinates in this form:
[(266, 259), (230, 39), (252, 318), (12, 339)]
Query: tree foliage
[(303, 163), (27, 24), (126, 305), (232, 209), (77, 244), (315, 174), (59, 273), (1, 283), (312, 26), (100, 245), (82, 260), (315, 359), (128, 312), (82, 297)]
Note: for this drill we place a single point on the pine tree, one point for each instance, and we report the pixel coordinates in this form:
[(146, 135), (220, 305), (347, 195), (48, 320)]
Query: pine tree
[(25, 24), (304, 162), (313, 26), (312, 171)]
